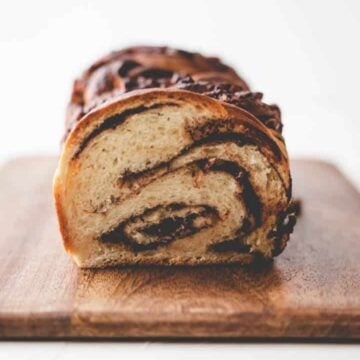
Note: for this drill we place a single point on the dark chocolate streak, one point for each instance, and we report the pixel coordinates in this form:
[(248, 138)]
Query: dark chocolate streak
[(215, 138), (113, 121), (251, 200), (175, 227), (251, 134), (126, 66), (230, 245), (167, 230), (284, 226)]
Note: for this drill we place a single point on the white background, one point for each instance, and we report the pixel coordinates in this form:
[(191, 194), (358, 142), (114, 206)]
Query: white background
[(304, 55)]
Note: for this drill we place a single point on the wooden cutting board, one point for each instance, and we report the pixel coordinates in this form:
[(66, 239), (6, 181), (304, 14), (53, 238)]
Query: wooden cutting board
[(311, 290)]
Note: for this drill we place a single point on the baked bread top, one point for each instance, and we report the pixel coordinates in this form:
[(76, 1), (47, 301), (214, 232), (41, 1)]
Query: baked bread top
[(144, 67)]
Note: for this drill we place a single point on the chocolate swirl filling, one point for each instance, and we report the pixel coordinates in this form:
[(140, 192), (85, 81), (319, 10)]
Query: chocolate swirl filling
[(160, 225), (284, 226), (165, 223)]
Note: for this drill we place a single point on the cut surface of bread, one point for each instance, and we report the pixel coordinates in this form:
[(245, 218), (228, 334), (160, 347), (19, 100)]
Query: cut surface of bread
[(171, 177)]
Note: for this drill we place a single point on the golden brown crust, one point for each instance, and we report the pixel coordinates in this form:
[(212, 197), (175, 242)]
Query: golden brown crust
[(60, 214)]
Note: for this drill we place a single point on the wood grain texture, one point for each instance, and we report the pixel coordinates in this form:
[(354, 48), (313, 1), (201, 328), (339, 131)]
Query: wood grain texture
[(311, 290)]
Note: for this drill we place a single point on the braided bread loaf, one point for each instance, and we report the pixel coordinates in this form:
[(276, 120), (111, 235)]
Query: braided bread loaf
[(169, 159)]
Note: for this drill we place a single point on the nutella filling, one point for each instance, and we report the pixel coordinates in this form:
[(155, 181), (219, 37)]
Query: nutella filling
[(248, 195), (285, 226), (161, 225), (233, 245)]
